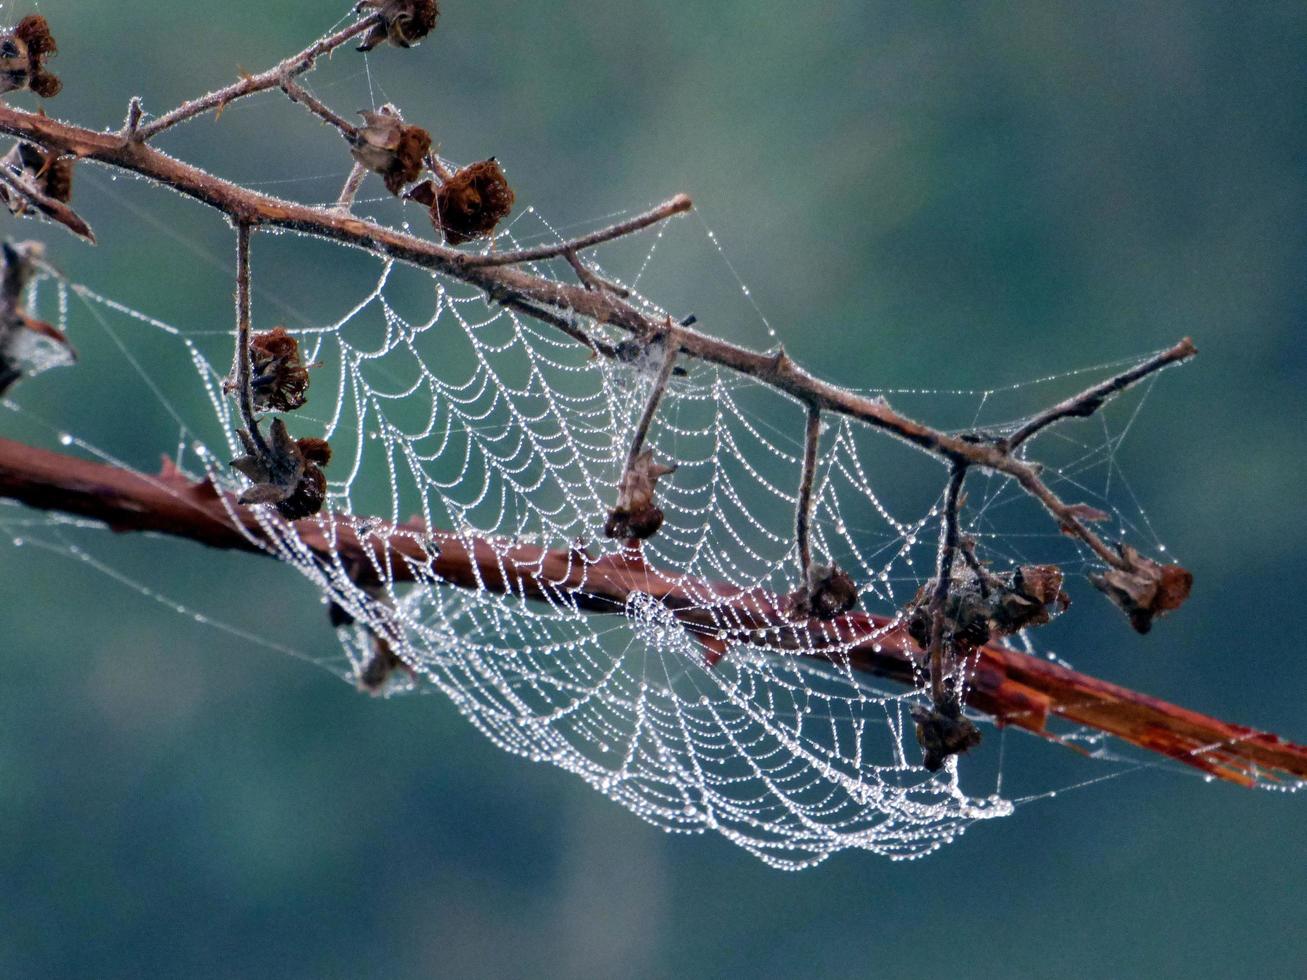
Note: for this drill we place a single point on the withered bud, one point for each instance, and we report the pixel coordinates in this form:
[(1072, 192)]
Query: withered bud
[(388, 147), (279, 379), (23, 51), (828, 593), (403, 22), (470, 203), (636, 515), (288, 475), (376, 672), (966, 616), (27, 345), (1026, 598), (1146, 589), (943, 731), (51, 174)]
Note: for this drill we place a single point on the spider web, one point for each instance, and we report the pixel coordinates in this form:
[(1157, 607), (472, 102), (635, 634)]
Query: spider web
[(480, 421)]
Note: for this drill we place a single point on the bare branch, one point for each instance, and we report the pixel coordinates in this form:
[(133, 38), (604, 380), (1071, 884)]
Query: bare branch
[(803, 510), (272, 78), (677, 205), (1092, 399), (948, 547), (297, 93), (651, 404), (241, 366), (352, 184)]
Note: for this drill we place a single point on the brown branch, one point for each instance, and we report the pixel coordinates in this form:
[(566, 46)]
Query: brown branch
[(1012, 688), (241, 366), (297, 93), (272, 78), (352, 184), (1092, 399), (56, 211), (803, 509), (656, 392), (677, 205)]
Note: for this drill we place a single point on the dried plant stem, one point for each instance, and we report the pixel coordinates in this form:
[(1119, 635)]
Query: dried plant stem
[(297, 93), (656, 392), (352, 184), (241, 365), (272, 78), (553, 302), (948, 549), (677, 205), (1011, 687), (803, 508)]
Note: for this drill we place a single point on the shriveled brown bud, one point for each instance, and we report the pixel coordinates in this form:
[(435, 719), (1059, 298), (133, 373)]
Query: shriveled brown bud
[(1025, 598), (966, 616), (287, 475), (51, 174), (1145, 589), (943, 731), (403, 22), (388, 147), (279, 379), (828, 593), (636, 515), (23, 51), (470, 203)]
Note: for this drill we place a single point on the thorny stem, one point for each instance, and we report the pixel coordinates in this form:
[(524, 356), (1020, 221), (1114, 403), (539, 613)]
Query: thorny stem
[(948, 547), (651, 404), (352, 184), (272, 78), (803, 513), (241, 368), (1092, 399), (677, 205)]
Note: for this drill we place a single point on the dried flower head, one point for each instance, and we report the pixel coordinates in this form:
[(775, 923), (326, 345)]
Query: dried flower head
[(470, 203), (981, 603), (1028, 596), (388, 147), (23, 51), (403, 22), (828, 593), (287, 475), (1145, 589), (50, 173), (279, 379), (636, 516), (943, 731), (27, 345)]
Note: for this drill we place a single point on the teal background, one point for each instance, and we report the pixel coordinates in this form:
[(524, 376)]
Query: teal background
[(930, 194)]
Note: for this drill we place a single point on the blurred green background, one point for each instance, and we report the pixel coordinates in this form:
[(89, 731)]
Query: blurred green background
[(941, 195)]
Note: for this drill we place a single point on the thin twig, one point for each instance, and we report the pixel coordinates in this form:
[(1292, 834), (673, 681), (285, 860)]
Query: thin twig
[(948, 547), (298, 93), (1092, 399), (272, 78), (677, 205), (803, 512), (591, 279), (651, 404), (56, 211), (241, 367), (352, 184)]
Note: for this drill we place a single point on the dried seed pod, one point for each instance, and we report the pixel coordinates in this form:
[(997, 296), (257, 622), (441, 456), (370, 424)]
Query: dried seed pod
[(966, 616), (23, 51), (943, 731), (403, 22), (1026, 598), (279, 379), (470, 203), (828, 593), (636, 515), (1146, 589), (388, 147), (287, 475)]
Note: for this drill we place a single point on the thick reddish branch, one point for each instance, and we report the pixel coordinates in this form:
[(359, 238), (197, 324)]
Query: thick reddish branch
[(1013, 688)]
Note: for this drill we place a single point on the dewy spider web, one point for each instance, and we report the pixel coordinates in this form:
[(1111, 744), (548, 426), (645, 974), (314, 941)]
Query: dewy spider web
[(477, 420)]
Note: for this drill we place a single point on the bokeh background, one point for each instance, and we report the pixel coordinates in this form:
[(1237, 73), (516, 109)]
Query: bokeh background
[(930, 194)]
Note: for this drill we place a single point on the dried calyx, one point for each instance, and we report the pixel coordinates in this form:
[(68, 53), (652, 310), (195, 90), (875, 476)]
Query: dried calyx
[(279, 379), (402, 23), (470, 203), (980, 603), (23, 51), (636, 516), (287, 473), (386, 146), (1144, 589), (828, 593), (50, 174), (22, 337), (943, 731)]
